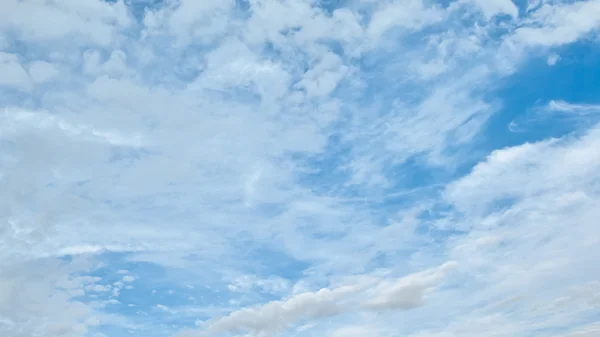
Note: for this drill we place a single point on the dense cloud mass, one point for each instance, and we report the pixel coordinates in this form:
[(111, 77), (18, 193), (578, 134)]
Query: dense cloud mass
[(343, 168)]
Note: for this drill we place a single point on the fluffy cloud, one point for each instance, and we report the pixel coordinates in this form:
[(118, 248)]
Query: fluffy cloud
[(38, 298), (13, 73), (41, 71), (94, 21), (372, 294)]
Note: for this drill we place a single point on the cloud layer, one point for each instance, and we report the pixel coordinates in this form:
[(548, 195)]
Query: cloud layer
[(299, 168)]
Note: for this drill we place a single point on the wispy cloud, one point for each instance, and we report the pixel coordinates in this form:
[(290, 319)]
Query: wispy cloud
[(570, 108)]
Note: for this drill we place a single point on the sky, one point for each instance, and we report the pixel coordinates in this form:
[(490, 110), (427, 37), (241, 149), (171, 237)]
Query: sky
[(299, 168)]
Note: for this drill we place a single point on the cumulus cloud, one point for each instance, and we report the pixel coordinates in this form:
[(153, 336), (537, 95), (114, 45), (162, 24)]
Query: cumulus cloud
[(13, 73), (372, 294), (42, 71), (408, 292), (38, 298)]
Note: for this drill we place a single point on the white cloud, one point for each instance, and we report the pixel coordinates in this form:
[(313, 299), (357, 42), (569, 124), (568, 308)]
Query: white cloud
[(37, 298), (13, 73), (98, 288), (324, 77), (572, 109), (116, 63), (534, 4), (357, 331), (491, 8), (441, 119), (369, 293), (587, 331), (164, 308), (408, 292), (515, 206), (199, 21), (42, 71), (553, 59), (409, 14), (508, 173), (211, 134), (248, 283), (562, 24), (576, 114), (96, 21), (91, 61)]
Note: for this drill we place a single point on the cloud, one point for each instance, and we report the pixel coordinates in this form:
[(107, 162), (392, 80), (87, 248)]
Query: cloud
[(14, 75), (574, 109), (507, 174), (42, 71), (553, 59), (97, 22), (356, 331), (249, 283), (128, 278), (588, 331), (563, 23), (408, 292), (372, 294), (306, 167), (98, 288), (497, 7), (411, 15), (516, 202), (568, 113), (38, 298), (164, 309)]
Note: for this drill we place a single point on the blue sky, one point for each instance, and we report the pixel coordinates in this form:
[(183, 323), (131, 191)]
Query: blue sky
[(393, 168)]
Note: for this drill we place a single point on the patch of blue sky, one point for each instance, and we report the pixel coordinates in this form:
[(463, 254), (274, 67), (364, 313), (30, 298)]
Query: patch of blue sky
[(269, 261), (138, 8), (331, 5), (574, 78), (154, 293)]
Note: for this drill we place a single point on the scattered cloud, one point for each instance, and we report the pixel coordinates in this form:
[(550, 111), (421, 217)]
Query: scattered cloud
[(571, 108), (553, 59)]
